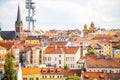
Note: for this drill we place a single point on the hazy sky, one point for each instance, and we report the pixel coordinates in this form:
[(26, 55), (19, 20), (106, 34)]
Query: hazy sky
[(63, 14)]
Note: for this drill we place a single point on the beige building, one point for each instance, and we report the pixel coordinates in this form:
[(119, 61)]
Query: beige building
[(58, 56)]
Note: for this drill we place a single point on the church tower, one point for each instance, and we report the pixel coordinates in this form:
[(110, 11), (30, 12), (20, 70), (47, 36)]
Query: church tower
[(92, 27), (85, 30), (18, 25)]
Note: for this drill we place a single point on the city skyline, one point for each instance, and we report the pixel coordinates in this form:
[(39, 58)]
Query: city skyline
[(63, 14)]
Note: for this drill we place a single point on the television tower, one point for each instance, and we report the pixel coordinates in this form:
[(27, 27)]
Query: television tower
[(30, 5)]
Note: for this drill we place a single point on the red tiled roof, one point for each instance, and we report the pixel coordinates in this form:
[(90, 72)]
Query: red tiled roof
[(44, 71), (94, 75), (107, 37), (94, 62), (52, 71), (58, 43), (82, 39), (26, 71), (72, 72), (67, 50), (7, 44)]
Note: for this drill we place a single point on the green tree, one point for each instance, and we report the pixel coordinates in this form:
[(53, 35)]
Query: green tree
[(91, 52), (9, 68), (73, 78), (117, 47), (66, 67)]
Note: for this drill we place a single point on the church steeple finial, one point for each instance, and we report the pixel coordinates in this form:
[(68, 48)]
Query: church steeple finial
[(18, 16)]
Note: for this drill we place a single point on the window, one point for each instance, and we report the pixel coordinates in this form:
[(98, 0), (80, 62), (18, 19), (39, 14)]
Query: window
[(78, 66), (73, 58), (31, 78), (73, 65), (66, 58), (59, 61), (57, 76), (55, 59), (37, 78), (59, 55), (24, 78), (45, 76), (42, 76), (53, 76), (60, 76), (89, 70)]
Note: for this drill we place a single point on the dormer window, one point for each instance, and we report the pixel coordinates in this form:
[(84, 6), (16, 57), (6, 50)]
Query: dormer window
[(44, 71), (51, 70), (102, 77), (59, 70), (86, 76)]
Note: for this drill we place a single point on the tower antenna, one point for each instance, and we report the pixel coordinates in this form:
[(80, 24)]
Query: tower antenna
[(30, 5)]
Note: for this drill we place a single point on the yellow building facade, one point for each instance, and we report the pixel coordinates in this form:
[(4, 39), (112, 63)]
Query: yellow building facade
[(42, 74), (1, 38), (32, 42), (107, 48)]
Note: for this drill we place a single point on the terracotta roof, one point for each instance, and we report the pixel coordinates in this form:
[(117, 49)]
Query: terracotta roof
[(72, 72), (7, 44), (52, 71), (58, 43), (2, 47), (26, 31), (55, 49), (107, 37), (26, 71), (113, 76), (44, 71), (25, 47), (97, 62), (82, 39), (94, 75)]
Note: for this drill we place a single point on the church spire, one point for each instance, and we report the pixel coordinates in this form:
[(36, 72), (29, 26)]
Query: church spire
[(18, 25), (18, 21)]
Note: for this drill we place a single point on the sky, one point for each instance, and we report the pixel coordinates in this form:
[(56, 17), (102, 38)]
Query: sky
[(63, 14)]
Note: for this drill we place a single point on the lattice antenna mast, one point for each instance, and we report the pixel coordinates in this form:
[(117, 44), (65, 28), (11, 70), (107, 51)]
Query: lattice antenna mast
[(30, 5)]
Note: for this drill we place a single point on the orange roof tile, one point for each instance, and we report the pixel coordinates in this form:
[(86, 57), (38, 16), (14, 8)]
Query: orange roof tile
[(107, 37), (94, 75), (93, 62), (7, 44), (52, 71), (58, 43), (26, 71), (44, 71), (67, 50), (79, 39)]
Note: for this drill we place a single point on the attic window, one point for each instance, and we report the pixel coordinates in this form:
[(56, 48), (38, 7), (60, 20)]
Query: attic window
[(59, 70), (101, 76), (86, 76), (44, 70), (51, 70)]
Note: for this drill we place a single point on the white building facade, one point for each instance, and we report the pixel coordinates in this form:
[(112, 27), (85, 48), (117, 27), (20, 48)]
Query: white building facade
[(60, 57)]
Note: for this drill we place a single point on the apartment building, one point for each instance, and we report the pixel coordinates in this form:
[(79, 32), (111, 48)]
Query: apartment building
[(58, 56)]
